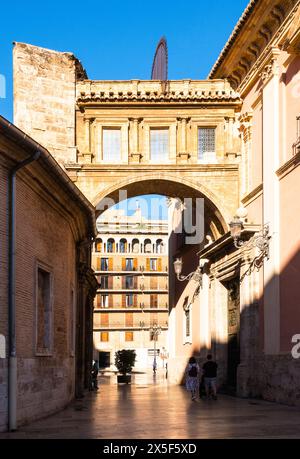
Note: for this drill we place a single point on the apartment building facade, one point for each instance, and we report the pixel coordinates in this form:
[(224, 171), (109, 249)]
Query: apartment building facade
[(130, 259)]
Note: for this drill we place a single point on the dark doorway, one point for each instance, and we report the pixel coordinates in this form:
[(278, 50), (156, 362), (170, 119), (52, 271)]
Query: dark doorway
[(233, 350), (104, 359)]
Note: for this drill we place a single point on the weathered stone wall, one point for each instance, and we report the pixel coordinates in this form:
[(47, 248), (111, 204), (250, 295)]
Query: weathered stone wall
[(44, 97), (274, 378)]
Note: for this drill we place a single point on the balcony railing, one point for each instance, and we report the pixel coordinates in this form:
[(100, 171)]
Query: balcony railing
[(135, 326)]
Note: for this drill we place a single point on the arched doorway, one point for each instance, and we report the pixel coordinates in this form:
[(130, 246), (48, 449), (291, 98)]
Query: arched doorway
[(216, 216)]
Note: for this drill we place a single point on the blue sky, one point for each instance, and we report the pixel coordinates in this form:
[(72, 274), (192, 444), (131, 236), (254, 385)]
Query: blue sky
[(153, 206), (117, 39)]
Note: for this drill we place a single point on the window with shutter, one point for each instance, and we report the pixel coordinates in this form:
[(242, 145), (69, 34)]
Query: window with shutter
[(159, 264), (98, 263), (104, 337), (153, 264), (104, 320), (110, 301), (110, 264), (153, 301), (99, 301), (129, 319), (135, 264), (98, 245), (128, 336), (148, 264), (104, 264), (129, 283), (123, 301), (110, 282)]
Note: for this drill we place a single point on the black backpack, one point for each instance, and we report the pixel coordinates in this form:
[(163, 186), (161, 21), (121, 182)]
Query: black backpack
[(193, 372)]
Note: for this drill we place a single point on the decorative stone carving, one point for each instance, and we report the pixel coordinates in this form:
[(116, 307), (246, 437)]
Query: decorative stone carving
[(272, 68)]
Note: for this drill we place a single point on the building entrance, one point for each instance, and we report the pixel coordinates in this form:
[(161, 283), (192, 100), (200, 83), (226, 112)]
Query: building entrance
[(233, 349)]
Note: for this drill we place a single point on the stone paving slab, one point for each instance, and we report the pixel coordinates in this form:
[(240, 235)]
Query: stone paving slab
[(157, 411)]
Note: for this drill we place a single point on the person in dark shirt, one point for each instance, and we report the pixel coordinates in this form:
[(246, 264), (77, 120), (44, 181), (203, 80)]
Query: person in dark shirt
[(210, 369), (95, 371)]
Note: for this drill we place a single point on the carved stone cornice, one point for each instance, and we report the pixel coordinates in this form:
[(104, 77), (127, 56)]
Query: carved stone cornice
[(148, 96), (239, 64)]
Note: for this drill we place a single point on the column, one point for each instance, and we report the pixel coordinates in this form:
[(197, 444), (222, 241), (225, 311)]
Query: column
[(183, 155), (134, 152), (87, 154)]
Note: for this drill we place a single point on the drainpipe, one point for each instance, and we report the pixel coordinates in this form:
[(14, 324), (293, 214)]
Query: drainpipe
[(12, 358)]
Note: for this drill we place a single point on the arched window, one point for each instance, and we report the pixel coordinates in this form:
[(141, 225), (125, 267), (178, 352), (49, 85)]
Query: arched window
[(160, 248), (123, 246), (98, 245), (147, 246), (110, 246), (135, 246)]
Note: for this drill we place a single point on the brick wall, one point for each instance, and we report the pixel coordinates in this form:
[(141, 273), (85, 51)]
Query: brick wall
[(47, 230), (44, 383), (3, 290)]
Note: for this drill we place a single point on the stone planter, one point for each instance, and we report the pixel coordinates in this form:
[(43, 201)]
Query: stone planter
[(124, 379)]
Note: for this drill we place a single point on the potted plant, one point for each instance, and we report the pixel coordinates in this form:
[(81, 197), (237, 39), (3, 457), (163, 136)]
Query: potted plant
[(124, 361)]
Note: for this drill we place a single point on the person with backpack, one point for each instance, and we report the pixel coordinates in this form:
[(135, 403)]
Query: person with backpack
[(192, 377)]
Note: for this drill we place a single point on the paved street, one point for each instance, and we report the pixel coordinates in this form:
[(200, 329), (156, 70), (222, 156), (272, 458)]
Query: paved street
[(149, 410)]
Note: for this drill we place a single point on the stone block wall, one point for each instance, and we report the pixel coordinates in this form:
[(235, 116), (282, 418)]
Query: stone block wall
[(44, 97)]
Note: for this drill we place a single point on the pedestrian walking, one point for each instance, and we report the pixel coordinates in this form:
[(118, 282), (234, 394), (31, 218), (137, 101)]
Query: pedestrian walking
[(210, 369), (192, 374), (95, 371)]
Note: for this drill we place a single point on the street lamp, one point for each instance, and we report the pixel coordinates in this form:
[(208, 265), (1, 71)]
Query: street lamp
[(197, 275), (155, 331)]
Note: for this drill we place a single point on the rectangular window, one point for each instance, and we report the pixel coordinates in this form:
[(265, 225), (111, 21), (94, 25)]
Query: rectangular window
[(104, 282), (110, 247), (104, 301), (112, 145), (129, 264), (128, 336), (207, 144), (129, 301), (123, 247), (153, 301), (129, 283), (98, 246), (104, 264), (44, 312), (128, 319), (159, 145), (104, 337), (153, 264)]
